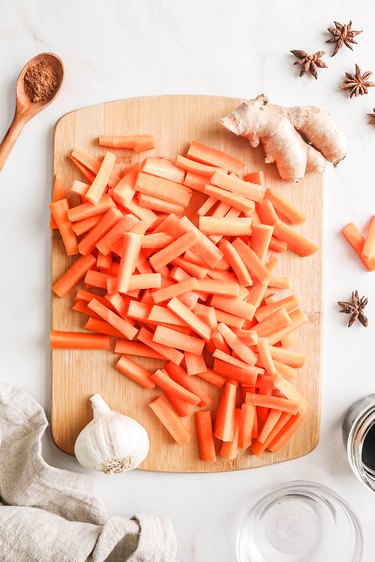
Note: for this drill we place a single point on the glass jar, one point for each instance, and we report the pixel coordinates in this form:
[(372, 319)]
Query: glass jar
[(300, 522), (359, 424)]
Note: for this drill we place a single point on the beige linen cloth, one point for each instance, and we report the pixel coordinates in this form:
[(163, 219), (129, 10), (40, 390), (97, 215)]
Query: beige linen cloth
[(52, 515)]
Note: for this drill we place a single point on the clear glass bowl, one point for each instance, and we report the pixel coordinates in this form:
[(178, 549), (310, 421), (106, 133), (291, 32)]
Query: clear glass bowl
[(300, 522)]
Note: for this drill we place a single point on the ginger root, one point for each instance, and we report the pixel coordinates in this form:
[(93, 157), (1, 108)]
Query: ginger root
[(297, 139)]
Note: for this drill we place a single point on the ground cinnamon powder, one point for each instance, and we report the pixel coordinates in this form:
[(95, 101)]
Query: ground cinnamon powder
[(40, 82)]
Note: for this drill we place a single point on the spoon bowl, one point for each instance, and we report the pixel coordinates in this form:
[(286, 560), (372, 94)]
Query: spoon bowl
[(25, 107)]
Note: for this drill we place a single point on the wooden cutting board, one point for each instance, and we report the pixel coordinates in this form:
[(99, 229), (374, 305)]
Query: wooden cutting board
[(77, 375)]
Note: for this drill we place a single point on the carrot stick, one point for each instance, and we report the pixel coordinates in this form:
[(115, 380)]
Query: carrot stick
[(58, 193), (205, 249), (276, 321), (280, 283), (182, 408), (285, 207), (120, 324), (80, 227), (98, 325), (175, 249), (163, 168), (214, 157), (236, 185), (167, 352), (247, 336), (88, 174), (59, 210), (267, 213), (93, 164), (207, 206), (258, 448), (138, 143), (73, 275), (357, 242), (369, 245), (124, 191), (229, 449), (236, 263), (213, 287), (164, 189), (180, 376), (79, 188), (196, 181), (272, 402), (224, 423), (206, 314), (232, 199), (247, 419), (295, 241), (196, 167), (227, 358), (233, 306), (252, 261), (157, 204), (78, 340), (206, 443), (135, 348), (272, 419), (288, 390), (288, 303), (213, 378), (277, 246), (192, 268), (246, 376), (131, 246), (219, 342), (172, 423), (161, 314), (261, 236), (286, 432), (108, 221), (175, 290), (195, 364), (265, 356), (191, 320), (104, 262), (290, 358), (225, 226), (145, 281), (171, 338), (135, 372), (234, 342), (157, 240), (298, 319), (98, 186), (255, 177), (166, 383), (87, 210)]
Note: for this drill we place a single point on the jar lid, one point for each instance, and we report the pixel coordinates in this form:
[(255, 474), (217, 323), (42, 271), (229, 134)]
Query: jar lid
[(300, 522)]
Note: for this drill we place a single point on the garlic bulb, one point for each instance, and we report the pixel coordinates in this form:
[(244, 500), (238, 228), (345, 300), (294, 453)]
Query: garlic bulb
[(111, 442)]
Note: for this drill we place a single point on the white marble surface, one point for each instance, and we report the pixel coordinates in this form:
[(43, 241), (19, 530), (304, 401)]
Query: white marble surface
[(117, 49)]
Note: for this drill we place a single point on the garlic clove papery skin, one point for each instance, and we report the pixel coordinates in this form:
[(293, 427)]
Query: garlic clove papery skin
[(111, 442)]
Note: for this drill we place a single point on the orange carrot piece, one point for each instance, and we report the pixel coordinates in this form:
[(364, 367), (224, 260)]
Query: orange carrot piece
[(162, 379), (295, 241), (206, 314), (167, 352), (157, 240), (280, 283), (234, 342), (196, 167), (175, 290), (131, 246), (273, 402), (99, 185), (161, 314), (97, 325), (192, 269), (233, 306), (195, 181), (206, 443), (163, 168), (104, 262), (191, 320), (287, 372), (58, 193), (236, 263), (232, 199), (289, 391), (97, 279), (93, 164), (214, 157), (236, 185), (168, 417), (205, 249), (80, 227), (216, 287), (88, 174), (73, 275), (246, 376), (82, 307), (227, 358), (59, 210), (255, 177), (276, 321), (267, 213), (229, 449), (261, 236), (108, 221), (79, 188), (157, 204), (285, 207), (219, 342), (138, 143), (114, 235), (87, 210), (145, 281), (180, 376), (369, 245), (258, 448), (213, 378), (286, 432), (272, 419), (174, 250), (298, 319), (207, 206), (224, 423), (247, 336), (172, 338), (195, 364), (225, 226), (247, 419), (357, 242), (138, 311), (289, 303), (120, 324), (135, 372), (164, 189), (252, 261), (78, 340), (277, 246), (135, 348), (182, 408), (124, 191), (291, 358), (265, 356)]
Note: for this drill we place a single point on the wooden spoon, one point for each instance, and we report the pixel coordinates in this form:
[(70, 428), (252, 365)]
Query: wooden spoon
[(25, 108)]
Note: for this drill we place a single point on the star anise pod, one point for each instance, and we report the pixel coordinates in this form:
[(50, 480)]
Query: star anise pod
[(358, 83), (309, 63), (372, 117), (355, 308), (342, 35)]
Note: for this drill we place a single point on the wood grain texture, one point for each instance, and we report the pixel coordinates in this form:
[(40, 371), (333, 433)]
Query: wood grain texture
[(76, 374)]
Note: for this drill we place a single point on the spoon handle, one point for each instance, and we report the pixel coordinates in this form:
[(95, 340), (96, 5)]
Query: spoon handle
[(10, 138)]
